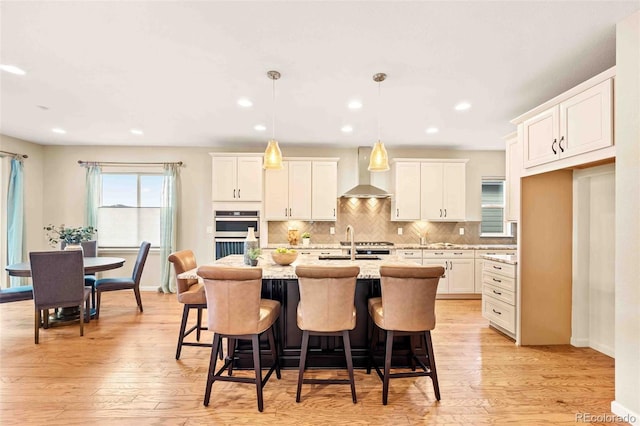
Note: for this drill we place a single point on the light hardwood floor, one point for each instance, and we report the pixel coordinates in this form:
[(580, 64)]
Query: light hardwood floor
[(123, 372)]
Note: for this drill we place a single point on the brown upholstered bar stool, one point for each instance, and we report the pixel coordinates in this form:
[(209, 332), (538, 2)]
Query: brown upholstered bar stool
[(191, 294), (407, 307), (236, 311), (326, 308)]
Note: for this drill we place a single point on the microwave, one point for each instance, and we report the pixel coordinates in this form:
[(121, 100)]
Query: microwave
[(236, 223)]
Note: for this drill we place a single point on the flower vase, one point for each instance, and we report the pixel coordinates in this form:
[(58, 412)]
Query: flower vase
[(74, 246), (250, 242)]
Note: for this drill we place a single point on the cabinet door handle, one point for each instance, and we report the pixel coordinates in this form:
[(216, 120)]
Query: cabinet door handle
[(552, 146), (238, 192), (445, 212), (451, 263), (285, 212), (440, 212), (234, 193), (560, 144), (497, 292), (397, 212), (497, 280), (289, 211), (497, 267), (496, 312), (334, 212)]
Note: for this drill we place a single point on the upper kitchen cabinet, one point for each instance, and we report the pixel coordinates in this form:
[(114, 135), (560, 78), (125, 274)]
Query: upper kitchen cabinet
[(288, 191), (324, 190), (574, 128), (236, 177), (442, 186), (405, 203), (513, 157)]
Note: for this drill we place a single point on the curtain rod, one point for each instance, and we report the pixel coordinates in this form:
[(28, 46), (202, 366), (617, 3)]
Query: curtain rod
[(125, 163), (14, 154)]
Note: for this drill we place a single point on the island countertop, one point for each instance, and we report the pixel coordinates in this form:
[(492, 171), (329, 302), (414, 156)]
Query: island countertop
[(369, 269), (502, 258)]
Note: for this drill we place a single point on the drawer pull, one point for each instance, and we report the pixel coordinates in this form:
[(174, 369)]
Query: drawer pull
[(324, 252), (458, 254), (497, 292), (497, 267), (496, 312), (497, 280)]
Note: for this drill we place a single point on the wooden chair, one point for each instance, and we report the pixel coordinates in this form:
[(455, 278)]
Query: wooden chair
[(407, 307), (236, 311), (58, 281), (125, 283), (191, 294), (326, 308)]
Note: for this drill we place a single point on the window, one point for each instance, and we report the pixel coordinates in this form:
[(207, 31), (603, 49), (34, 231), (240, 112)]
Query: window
[(493, 205), (129, 211)]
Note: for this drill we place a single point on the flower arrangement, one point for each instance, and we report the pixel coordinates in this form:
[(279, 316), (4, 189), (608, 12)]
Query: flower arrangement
[(306, 235), (254, 253), (56, 234)]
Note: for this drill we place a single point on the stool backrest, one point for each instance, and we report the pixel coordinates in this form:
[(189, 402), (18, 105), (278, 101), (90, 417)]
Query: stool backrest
[(183, 261), (326, 296), (233, 298), (409, 296)]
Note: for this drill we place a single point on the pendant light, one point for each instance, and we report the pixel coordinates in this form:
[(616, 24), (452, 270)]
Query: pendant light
[(273, 155), (379, 161)]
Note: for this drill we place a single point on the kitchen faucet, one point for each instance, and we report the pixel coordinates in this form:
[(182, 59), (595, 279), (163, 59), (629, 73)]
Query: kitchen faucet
[(352, 241)]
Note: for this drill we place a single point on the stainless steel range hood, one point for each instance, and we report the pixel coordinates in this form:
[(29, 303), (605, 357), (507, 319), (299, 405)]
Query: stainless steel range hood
[(364, 189)]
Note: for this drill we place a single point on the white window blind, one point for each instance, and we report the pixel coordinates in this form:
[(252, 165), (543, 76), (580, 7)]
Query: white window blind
[(493, 205)]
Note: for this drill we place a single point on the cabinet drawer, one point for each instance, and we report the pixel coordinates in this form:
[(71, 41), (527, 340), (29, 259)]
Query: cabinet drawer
[(494, 279), (448, 254), (499, 313), (480, 253), (499, 293), (500, 268), (320, 252), (410, 254)]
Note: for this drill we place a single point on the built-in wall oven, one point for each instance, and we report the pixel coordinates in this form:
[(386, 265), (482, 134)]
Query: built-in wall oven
[(231, 227)]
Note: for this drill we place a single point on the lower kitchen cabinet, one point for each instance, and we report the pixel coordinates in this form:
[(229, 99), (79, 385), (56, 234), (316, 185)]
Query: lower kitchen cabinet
[(480, 262), (499, 296), (459, 266)]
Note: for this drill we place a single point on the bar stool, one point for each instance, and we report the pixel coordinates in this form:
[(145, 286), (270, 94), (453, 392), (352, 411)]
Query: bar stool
[(326, 308), (407, 307), (191, 294), (237, 312)]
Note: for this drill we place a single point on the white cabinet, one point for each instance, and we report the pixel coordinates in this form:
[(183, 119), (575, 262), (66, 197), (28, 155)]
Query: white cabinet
[(236, 178), (513, 158), (459, 269), (405, 204), (499, 296), (324, 190), (480, 264), (443, 191), (288, 191), (579, 124)]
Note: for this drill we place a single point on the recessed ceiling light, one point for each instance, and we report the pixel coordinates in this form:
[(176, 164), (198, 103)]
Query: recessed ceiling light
[(245, 103), (354, 104), (136, 132), (347, 129), (432, 130), (462, 106), (260, 127), (12, 69), (58, 130)]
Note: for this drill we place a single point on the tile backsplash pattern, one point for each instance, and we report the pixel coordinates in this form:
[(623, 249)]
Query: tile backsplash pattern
[(370, 218)]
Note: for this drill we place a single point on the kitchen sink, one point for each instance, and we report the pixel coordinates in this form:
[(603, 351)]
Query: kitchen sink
[(347, 257)]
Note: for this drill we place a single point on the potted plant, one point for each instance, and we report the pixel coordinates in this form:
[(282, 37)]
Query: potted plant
[(71, 236), (306, 238), (254, 255)]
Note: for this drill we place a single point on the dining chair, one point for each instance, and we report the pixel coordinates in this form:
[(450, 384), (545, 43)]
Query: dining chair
[(236, 311), (407, 307), (191, 294), (326, 308), (89, 249), (125, 283), (58, 282)]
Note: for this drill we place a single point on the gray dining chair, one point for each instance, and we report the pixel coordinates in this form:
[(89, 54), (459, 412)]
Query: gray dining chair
[(58, 282), (125, 283), (89, 249)]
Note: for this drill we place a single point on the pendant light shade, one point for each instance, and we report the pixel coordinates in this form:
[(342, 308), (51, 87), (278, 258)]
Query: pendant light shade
[(273, 155), (379, 161)]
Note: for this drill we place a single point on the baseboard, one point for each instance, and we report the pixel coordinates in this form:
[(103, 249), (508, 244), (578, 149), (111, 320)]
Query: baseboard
[(625, 414), (579, 342), (607, 350), (155, 289)]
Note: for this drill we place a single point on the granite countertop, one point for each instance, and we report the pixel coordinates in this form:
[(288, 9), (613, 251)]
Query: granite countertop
[(271, 270), (311, 246), (502, 258), (448, 246)]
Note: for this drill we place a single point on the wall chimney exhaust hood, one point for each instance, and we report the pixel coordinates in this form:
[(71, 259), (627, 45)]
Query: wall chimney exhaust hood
[(364, 189)]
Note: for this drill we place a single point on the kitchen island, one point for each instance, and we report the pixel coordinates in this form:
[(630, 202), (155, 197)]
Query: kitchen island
[(280, 283)]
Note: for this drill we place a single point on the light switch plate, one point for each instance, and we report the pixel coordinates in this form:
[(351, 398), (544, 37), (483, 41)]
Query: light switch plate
[(399, 231), (209, 229), (461, 231), (332, 230)]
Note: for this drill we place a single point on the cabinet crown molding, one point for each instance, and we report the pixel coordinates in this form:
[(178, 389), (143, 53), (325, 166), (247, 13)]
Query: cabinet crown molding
[(430, 160), (236, 154), (310, 159)]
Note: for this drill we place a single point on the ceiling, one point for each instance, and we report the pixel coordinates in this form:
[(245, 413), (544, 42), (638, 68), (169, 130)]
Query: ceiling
[(176, 69)]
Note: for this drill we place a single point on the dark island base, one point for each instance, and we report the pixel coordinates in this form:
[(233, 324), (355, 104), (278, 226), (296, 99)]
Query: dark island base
[(326, 351)]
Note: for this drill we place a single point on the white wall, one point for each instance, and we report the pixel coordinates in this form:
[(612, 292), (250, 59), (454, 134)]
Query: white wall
[(627, 270)]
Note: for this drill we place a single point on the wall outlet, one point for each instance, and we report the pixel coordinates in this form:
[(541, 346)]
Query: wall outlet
[(332, 230), (399, 231), (461, 231)]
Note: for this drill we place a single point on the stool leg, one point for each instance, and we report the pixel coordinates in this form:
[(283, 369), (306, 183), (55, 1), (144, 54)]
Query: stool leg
[(432, 364), (372, 346), (198, 325), (231, 351), (274, 351), (256, 365), (212, 368), (387, 366), (183, 327), (347, 354), (303, 361)]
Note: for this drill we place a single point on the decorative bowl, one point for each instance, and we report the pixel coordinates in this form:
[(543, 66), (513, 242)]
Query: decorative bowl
[(284, 258)]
